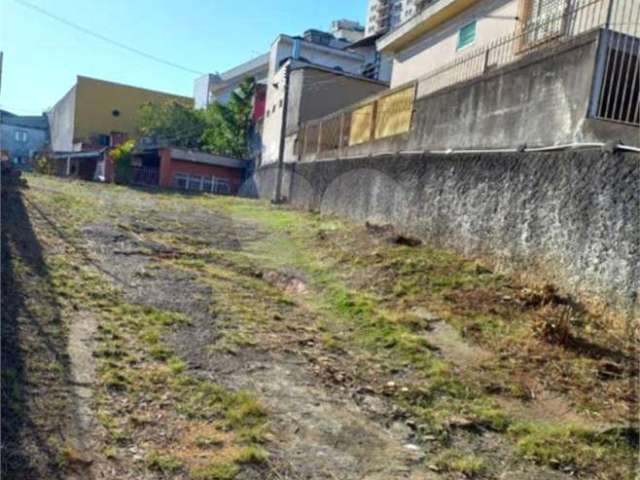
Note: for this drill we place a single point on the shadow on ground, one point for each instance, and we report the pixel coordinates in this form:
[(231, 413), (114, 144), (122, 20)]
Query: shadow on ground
[(35, 366)]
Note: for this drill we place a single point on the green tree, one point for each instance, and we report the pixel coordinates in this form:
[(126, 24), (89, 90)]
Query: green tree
[(228, 126), (174, 122), (221, 129)]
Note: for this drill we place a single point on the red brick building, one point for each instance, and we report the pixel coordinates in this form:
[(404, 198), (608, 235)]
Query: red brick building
[(169, 167)]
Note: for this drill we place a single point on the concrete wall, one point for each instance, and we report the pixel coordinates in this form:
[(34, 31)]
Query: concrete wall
[(61, 122), (572, 218), (541, 100)]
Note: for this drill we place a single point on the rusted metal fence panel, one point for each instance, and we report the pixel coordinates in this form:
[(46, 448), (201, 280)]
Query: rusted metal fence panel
[(362, 124), (393, 113), (345, 129), (330, 137), (311, 137)]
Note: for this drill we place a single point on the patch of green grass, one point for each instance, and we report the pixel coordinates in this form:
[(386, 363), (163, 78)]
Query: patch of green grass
[(110, 452), (176, 366), (254, 435), (243, 411), (162, 463), (252, 454), (209, 442), (216, 471), (114, 379), (455, 461), (572, 446), (489, 415)]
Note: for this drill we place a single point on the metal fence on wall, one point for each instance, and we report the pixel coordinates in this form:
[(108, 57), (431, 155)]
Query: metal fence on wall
[(562, 20), (617, 98), (619, 66), (384, 116)]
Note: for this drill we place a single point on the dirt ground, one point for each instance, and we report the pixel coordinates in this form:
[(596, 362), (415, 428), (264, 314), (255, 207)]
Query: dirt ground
[(153, 335)]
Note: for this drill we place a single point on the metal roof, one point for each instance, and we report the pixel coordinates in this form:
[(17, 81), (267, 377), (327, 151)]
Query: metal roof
[(206, 158), (39, 122)]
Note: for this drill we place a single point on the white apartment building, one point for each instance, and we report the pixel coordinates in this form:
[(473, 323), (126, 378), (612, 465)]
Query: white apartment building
[(383, 15), (213, 87), (217, 87)]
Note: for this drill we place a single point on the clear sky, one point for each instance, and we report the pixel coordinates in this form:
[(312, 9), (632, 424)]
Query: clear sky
[(42, 56)]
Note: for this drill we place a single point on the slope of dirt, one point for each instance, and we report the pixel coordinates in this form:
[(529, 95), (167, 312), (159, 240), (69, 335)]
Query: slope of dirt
[(213, 338)]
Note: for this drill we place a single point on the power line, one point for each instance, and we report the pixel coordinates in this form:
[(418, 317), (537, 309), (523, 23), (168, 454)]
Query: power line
[(106, 39)]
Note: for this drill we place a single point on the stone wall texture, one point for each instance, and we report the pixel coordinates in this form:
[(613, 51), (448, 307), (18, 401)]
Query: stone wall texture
[(572, 217)]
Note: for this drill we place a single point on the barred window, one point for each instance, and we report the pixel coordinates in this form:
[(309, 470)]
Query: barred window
[(180, 180)]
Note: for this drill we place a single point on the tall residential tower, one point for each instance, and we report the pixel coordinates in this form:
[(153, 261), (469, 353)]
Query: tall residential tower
[(385, 15)]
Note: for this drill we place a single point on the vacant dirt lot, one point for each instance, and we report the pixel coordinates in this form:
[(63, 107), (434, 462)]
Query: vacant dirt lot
[(153, 335)]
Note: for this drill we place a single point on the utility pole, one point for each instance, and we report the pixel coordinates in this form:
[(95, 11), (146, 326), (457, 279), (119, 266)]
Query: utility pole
[(283, 135)]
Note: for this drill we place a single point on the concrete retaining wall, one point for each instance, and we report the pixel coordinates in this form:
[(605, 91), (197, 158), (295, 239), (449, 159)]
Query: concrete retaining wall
[(572, 218)]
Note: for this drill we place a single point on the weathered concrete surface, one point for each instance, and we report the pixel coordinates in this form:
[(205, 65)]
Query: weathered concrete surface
[(543, 99), (570, 217), (538, 101)]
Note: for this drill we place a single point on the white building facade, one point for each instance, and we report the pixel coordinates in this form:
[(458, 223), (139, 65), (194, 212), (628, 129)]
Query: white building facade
[(384, 15), (441, 32), (310, 50)]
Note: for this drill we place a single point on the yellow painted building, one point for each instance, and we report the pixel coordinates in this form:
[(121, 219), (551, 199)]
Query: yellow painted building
[(95, 112)]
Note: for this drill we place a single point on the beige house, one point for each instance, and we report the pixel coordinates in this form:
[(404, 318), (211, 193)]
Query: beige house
[(445, 31)]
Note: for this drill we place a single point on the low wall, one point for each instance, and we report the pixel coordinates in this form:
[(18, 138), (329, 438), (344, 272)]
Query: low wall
[(542, 99), (572, 218)]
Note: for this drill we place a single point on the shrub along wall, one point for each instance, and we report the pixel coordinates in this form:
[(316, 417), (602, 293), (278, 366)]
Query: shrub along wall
[(570, 217)]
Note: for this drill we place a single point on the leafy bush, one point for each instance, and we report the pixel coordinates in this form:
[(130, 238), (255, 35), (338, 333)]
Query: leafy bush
[(122, 156), (44, 164)]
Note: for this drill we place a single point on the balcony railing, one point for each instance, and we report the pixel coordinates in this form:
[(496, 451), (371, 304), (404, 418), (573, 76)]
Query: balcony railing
[(533, 33)]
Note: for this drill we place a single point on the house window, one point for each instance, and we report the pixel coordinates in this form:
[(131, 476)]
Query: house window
[(180, 180), (467, 35), (21, 136), (223, 186), (195, 182), (104, 140), (543, 19)]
